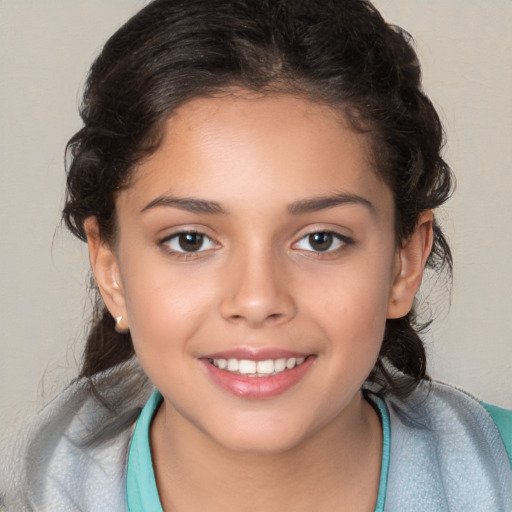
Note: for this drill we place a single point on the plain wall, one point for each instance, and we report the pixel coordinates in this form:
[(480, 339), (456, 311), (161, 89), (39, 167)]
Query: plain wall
[(46, 47)]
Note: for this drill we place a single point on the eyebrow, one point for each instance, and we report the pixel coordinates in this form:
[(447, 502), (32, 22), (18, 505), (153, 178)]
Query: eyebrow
[(315, 204), (309, 205), (188, 204)]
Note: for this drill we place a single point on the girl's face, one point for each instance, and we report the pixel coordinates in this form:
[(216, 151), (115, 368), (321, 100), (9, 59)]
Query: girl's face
[(255, 268)]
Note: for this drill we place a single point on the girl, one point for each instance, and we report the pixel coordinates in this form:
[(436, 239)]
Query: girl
[(256, 183)]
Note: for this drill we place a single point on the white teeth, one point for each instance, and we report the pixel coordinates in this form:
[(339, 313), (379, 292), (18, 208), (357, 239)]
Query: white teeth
[(280, 364), (245, 366), (252, 368), (290, 363), (232, 365), (266, 367)]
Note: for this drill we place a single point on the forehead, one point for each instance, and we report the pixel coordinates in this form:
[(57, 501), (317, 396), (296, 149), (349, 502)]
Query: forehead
[(241, 145)]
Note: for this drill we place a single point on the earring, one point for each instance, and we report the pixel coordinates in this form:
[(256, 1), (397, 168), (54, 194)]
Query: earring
[(119, 328)]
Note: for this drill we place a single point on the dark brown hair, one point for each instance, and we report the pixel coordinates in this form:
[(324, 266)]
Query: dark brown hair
[(338, 52)]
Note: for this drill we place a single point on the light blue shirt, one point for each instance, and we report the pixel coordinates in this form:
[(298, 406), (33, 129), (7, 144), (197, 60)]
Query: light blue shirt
[(141, 489), (142, 492)]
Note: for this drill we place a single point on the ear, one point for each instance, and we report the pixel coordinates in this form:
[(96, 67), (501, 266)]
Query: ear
[(105, 267), (410, 261)]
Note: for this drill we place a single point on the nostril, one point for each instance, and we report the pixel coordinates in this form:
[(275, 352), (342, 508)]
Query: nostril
[(274, 317), (257, 308)]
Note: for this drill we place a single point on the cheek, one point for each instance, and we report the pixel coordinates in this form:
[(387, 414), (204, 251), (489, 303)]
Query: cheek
[(353, 317), (357, 296), (165, 305)]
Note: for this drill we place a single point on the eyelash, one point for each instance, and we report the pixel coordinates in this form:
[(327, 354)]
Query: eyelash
[(332, 237), (166, 244)]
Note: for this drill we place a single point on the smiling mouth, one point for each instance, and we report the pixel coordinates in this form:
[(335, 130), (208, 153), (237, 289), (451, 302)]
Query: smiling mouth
[(251, 368)]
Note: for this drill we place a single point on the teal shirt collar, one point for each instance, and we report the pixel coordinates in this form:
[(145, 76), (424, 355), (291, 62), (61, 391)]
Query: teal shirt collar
[(141, 489)]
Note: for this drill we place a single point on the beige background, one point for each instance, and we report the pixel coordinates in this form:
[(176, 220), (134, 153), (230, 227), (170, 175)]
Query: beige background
[(46, 47)]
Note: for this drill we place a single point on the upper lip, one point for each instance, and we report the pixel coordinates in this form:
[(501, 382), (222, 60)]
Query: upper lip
[(255, 354)]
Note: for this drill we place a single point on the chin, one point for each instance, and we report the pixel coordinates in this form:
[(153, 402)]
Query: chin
[(262, 437), (263, 444)]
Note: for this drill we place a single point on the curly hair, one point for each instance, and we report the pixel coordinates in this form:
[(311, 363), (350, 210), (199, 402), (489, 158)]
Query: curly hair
[(338, 52)]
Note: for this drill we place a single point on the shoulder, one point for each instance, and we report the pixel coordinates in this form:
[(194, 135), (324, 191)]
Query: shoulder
[(446, 453), (503, 420), (74, 443)]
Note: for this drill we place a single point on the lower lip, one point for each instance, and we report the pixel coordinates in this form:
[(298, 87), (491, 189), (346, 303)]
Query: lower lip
[(257, 388)]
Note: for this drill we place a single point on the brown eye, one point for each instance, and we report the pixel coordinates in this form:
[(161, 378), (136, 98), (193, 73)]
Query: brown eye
[(189, 241), (320, 241)]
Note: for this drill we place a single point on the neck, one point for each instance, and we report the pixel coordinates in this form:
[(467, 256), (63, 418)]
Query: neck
[(340, 463)]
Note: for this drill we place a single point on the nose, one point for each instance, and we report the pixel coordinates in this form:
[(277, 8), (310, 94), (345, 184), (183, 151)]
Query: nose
[(257, 291)]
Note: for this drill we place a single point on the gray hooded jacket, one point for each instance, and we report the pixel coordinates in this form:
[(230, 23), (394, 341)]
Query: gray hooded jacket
[(446, 453)]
